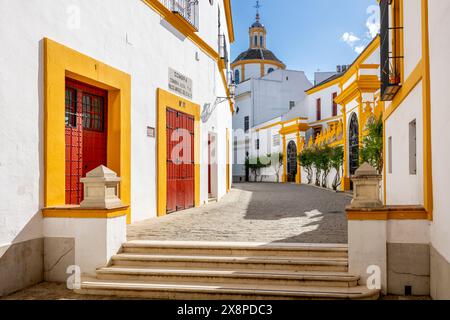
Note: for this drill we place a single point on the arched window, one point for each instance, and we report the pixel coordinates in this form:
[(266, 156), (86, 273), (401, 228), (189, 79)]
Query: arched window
[(261, 41), (256, 40), (237, 76), (270, 70)]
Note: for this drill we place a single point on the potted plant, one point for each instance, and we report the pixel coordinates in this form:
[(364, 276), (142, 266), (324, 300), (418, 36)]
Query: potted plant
[(394, 75)]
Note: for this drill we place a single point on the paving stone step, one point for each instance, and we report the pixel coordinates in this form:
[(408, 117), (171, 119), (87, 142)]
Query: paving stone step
[(236, 248), (234, 262), (156, 290), (186, 275)]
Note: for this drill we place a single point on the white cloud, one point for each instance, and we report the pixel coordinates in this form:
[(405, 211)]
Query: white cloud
[(359, 49), (373, 22), (373, 28), (349, 38)]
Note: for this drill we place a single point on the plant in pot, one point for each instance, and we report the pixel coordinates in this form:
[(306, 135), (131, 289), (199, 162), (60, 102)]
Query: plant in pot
[(394, 74)]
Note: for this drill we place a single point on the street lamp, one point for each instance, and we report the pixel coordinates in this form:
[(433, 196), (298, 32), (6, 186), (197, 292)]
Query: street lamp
[(232, 94)]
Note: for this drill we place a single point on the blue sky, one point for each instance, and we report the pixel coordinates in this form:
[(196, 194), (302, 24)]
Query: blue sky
[(309, 35)]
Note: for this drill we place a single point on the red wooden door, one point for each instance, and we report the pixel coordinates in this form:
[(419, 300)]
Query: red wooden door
[(180, 160), (86, 135)]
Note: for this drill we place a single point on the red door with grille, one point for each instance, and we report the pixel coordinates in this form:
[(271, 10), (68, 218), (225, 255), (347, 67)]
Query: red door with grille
[(85, 135), (180, 160)]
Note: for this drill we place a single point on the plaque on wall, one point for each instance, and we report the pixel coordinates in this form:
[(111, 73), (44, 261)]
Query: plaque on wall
[(180, 84)]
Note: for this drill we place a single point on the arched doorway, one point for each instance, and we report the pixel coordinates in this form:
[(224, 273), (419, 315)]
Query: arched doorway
[(353, 144), (291, 161)]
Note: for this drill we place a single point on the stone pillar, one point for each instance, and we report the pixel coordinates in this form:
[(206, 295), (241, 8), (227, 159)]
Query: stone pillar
[(86, 236), (366, 185), (367, 237), (101, 189)]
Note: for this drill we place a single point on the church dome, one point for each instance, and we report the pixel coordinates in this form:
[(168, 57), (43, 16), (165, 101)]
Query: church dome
[(257, 39), (257, 24), (257, 54)]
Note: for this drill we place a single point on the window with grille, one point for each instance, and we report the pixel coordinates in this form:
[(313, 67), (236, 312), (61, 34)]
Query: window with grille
[(246, 124), (93, 112), (71, 108), (237, 76), (390, 155), (412, 148), (188, 9), (276, 140), (291, 104), (391, 53), (318, 109), (334, 104), (257, 144)]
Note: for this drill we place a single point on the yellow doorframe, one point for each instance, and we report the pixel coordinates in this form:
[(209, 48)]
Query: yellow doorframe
[(172, 101), (61, 62)]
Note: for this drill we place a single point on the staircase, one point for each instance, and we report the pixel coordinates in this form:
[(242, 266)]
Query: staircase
[(244, 271)]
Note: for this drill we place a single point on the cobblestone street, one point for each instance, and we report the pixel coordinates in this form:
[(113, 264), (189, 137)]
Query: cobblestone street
[(262, 212)]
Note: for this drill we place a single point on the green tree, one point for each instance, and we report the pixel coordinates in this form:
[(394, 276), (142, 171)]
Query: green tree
[(316, 161), (324, 164), (306, 162), (276, 161), (256, 164), (336, 162), (372, 150)]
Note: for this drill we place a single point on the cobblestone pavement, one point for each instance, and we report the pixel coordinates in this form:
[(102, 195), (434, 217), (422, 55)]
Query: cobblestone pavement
[(54, 291), (256, 212), (58, 291)]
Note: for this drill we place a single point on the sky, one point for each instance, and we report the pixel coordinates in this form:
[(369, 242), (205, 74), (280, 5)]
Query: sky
[(309, 35)]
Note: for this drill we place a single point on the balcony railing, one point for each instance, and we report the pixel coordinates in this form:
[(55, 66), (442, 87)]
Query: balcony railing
[(187, 9), (391, 60)]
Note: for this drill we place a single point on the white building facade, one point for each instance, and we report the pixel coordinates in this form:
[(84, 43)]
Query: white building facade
[(129, 72), (265, 91)]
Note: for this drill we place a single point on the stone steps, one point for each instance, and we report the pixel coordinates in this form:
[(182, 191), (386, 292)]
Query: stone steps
[(236, 249), (270, 277), (224, 262), (140, 289), (208, 270)]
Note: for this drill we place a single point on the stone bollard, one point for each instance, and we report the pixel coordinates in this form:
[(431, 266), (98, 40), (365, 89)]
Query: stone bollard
[(366, 184), (101, 189), (367, 253)]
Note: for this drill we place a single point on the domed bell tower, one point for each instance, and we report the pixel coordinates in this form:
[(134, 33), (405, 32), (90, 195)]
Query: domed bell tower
[(257, 32)]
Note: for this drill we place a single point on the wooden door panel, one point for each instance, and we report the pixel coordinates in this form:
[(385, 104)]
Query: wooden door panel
[(180, 177), (86, 135)]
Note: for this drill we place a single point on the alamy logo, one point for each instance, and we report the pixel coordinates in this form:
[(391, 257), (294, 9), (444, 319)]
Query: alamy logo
[(74, 17), (374, 280), (74, 280)]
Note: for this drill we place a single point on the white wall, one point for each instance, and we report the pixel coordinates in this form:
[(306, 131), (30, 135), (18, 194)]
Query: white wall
[(127, 35), (326, 102), (412, 34), (264, 100), (252, 71), (439, 11), (402, 187)]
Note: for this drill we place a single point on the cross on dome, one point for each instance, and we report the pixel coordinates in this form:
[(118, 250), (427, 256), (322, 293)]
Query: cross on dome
[(257, 6)]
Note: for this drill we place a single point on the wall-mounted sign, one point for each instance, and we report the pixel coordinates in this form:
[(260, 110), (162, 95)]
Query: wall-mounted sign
[(151, 132), (180, 84)]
